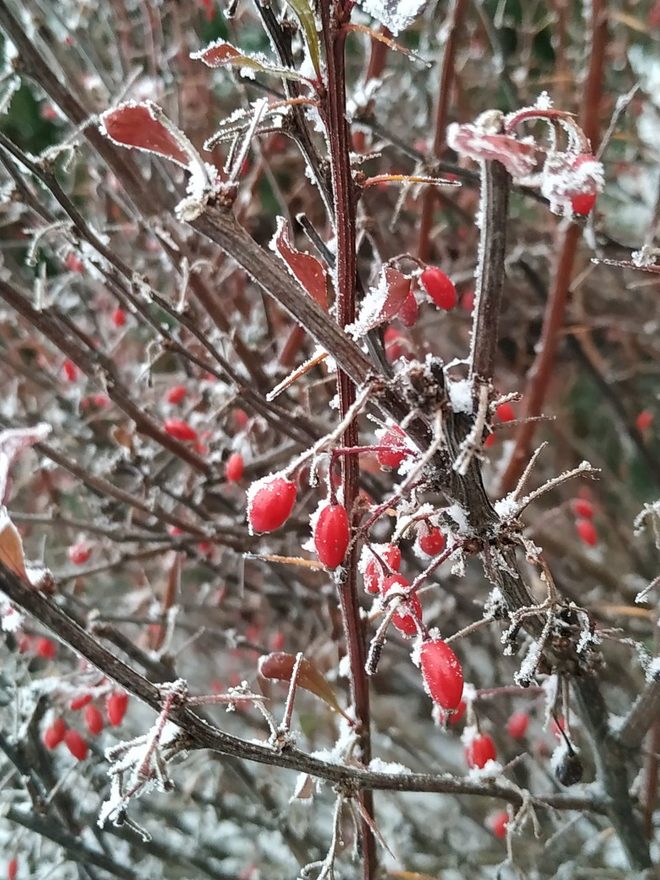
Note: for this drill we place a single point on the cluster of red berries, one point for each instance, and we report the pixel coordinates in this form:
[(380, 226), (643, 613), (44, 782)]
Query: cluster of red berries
[(584, 527), (58, 731)]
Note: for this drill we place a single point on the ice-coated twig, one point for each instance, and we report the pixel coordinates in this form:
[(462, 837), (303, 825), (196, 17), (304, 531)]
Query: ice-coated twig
[(327, 865)]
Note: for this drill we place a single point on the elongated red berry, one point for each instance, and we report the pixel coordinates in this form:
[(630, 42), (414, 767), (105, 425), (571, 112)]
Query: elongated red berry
[(442, 673), (644, 420), (116, 706), (586, 532), (79, 553), (505, 413), (54, 733), (409, 615), (46, 648), (76, 744), (180, 430), (439, 287), (373, 571), (234, 468), (480, 751), (498, 822), (583, 508), (270, 503), (119, 317), (12, 869), (394, 448), (331, 535), (176, 394), (70, 371), (80, 702), (93, 719), (517, 725), (431, 540)]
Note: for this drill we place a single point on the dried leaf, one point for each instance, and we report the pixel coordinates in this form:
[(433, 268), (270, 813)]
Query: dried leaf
[(141, 127), (222, 54), (279, 667), (310, 273), (11, 546), (12, 442), (306, 18)]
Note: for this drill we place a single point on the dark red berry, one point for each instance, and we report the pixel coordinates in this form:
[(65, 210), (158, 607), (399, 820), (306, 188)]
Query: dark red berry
[(270, 503), (373, 570), (442, 673), (394, 448), (46, 648), (583, 508), (582, 204), (80, 702), (439, 287), (409, 615), (480, 751), (498, 823), (505, 413), (119, 317), (54, 733), (234, 468), (70, 371), (586, 532), (644, 420), (76, 744), (116, 706), (180, 430), (79, 553), (517, 725), (431, 540), (12, 869), (331, 535), (176, 394), (93, 719)]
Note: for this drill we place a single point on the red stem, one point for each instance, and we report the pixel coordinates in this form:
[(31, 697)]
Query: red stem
[(344, 194)]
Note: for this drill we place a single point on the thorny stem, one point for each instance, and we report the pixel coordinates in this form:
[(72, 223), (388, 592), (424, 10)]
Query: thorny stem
[(344, 196), (541, 372)]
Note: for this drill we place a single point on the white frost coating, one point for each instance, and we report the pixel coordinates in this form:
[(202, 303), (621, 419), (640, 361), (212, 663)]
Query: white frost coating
[(653, 670), (460, 395), (460, 517), (10, 618), (371, 309), (394, 14), (377, 765), (507, 507)]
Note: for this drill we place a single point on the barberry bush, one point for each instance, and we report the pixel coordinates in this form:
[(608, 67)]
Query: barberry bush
[(329, 439)]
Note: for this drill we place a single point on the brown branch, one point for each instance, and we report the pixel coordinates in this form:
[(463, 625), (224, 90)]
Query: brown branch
[(643, 715), (447, 71)]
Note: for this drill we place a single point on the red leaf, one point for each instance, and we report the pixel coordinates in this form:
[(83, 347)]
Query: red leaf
[(137, 125), (279, 666), (310, 273)]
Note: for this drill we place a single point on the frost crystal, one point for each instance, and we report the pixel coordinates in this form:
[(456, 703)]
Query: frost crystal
[(394, 14)]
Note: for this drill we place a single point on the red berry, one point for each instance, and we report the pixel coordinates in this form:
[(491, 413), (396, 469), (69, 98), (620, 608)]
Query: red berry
[(442, 673), (180, 430), (373, 571), (79, 553), (395, 448), (73, 263), (100, 400), (176, 394), (504, 412), (46, 648), (116, 706), (119, 317), (54, 733), (583, 508), (586, 532), (93, 720), (409, 311), (234, 467), (480, 751), (240, 418), (410, 613), (76, 744), (490, 440), (582, 204), (439, 287), (458, 714), (80, 702), (396, 346), (331, 535), (468, 300), (270, 503), (70, 371), (644, 420), (431, 540), (517, 725), (498, 822), (12, 869)]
